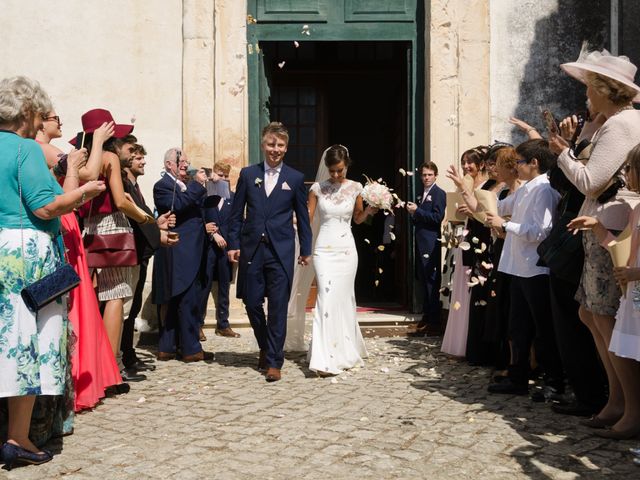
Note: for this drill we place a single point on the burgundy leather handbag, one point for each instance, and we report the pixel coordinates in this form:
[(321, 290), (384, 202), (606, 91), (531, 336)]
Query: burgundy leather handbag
[(111, 250)]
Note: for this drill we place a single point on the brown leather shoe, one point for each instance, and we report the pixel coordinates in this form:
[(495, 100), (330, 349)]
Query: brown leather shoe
[(262, 361), (226, 332), (273, 375), (198, 357), (203, 337), (164, 356), (425, 330)]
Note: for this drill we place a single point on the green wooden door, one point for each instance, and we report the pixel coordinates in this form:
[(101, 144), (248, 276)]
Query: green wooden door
[(300, 21)]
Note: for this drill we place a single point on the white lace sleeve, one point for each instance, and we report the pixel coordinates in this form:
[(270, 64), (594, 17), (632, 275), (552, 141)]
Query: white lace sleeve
[(315, 188), (357, 189)]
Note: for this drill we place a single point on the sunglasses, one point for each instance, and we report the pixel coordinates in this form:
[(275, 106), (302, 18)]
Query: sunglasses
[(54, 117), (521, 161)]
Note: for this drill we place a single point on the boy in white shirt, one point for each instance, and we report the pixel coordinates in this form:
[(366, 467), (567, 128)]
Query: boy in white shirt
[(531, 209)]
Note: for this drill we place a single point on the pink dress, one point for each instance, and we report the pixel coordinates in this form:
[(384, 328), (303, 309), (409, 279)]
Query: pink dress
[(454, 341), (93, 365)]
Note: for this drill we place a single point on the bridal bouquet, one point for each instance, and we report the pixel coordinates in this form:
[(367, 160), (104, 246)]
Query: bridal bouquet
[(377, 194)]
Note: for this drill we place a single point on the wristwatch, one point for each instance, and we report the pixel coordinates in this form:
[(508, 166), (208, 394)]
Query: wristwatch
[(504, 227)]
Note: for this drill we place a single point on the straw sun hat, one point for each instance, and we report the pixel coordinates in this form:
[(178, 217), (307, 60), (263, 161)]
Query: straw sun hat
[(616, 68)]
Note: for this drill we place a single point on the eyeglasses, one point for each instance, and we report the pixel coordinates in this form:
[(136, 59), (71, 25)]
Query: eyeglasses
[(54, 117), (522, 161)]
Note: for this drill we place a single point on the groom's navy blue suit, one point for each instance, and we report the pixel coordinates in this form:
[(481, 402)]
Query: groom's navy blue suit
[(266, 240)]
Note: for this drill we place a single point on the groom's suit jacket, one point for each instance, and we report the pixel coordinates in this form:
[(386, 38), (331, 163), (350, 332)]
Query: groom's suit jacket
[(269, 217)]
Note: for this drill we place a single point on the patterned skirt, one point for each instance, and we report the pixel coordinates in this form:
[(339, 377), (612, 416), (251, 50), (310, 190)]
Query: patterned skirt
[(33, 348), (113, 282)]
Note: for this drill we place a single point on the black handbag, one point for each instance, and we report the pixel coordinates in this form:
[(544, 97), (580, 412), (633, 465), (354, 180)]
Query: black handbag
[(52, 286)]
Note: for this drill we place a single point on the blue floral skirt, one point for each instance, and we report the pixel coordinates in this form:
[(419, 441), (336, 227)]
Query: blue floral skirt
[(33, 348)]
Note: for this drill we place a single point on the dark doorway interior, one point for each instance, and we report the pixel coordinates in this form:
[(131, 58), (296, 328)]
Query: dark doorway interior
[(355, 94)]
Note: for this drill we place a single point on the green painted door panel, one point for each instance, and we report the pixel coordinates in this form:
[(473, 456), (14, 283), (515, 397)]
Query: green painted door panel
[(292, 10), (379, 10)]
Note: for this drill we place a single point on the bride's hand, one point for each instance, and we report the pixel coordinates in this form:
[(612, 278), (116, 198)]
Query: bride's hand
[(371, 210)]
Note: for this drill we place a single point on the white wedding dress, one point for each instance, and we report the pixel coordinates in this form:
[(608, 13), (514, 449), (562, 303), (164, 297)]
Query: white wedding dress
[(336, 341)]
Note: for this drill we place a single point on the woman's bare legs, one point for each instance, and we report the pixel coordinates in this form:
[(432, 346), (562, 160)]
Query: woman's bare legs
[(20, 409), (113, 318), (601, 327), (628, 371)]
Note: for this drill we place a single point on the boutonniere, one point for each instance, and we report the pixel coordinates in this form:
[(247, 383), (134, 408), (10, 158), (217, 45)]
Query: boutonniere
[(258, 182)]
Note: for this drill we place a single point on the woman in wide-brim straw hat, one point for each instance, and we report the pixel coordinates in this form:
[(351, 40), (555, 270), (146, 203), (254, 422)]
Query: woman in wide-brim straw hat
[(611, 89)]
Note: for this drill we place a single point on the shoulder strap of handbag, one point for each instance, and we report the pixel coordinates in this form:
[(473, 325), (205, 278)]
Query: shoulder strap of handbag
[(58, 240)]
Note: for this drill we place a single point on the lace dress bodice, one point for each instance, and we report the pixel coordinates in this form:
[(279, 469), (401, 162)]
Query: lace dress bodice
[(335, 210)]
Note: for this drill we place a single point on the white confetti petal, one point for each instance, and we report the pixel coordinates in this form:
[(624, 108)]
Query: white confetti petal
[(392, 235), (475, 240), (281, 64), (381, 248), (426, 255), (296, 44), (402, 171), (367, 240), (410, 174), (464, 245), (141, 400), (456, 306), (384, 370)]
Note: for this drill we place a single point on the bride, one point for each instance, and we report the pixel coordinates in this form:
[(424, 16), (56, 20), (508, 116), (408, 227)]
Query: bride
[(336, 341)]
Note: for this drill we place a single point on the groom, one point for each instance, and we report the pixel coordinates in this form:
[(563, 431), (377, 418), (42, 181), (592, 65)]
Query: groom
[(264, 243)]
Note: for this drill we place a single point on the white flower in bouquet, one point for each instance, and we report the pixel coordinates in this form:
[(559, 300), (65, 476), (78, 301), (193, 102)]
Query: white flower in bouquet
[(377, 194)]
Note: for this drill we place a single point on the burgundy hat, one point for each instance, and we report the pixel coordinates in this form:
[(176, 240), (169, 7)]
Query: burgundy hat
[(92, 120)]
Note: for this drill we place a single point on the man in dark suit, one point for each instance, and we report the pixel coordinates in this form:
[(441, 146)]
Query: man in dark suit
[(427, 215), (217, 208), (264, 243), (179, 275), (149, 237)]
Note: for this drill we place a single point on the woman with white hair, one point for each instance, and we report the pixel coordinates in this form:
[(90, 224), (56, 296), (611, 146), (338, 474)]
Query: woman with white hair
[(33, 347), (611, 91)]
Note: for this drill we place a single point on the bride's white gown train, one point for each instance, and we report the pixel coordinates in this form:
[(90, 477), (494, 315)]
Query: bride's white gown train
[(336, 341)]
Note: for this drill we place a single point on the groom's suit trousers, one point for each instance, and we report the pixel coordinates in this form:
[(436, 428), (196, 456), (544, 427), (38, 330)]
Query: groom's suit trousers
[(266, 277)]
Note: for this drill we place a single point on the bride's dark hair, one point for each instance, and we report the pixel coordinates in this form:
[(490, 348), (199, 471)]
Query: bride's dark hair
[(336, 154)]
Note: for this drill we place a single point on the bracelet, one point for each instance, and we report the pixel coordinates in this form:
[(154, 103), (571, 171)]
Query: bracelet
[(82, 199), (71, 176)]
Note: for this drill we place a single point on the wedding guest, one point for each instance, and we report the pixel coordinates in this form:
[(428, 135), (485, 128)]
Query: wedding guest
[(611, 91), (531, 209), (31, 203), (624, 347), (94, 368), (454, 341), (107, 215), (178, 271), (562, 252), (149, 237), (217, 208), (427, 216)]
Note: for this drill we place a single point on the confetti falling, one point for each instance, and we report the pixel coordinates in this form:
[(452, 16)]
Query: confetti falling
[(296, 44), (464, 245), (402, 171), (281, 64), (380, 270), (456, 306), (367, 240), (381, 248), (392, 235), (305, 30), (377, 282)]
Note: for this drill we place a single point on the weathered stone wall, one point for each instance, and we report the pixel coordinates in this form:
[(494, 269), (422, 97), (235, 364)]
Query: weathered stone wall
[(457, 101), (529, 40)]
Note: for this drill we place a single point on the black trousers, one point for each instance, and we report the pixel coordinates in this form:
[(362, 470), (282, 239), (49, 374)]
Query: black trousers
[(576, 346), (126, 344), (530, 322)]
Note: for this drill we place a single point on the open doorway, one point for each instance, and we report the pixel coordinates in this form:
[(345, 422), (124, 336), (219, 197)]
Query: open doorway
[(355, 94)]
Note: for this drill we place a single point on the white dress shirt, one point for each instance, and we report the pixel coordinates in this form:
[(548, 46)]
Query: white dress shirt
[(271, 180), (532, 208)]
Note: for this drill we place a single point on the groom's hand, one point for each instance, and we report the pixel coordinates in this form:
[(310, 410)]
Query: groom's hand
[(304, 260), (234, 256)]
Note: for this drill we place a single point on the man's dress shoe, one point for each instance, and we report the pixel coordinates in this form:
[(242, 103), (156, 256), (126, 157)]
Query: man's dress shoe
[(226, 332), (198, 357), (273, 374), (165, 356), (508, 387)]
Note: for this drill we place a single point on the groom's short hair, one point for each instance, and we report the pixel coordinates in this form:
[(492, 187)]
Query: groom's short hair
[(277, 129)]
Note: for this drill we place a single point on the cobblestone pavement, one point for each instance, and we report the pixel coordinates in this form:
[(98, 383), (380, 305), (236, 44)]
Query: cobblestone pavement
[(409, 413)]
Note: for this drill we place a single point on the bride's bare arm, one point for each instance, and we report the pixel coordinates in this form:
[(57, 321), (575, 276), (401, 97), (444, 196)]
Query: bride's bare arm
[(360, 213), (312, 201)]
